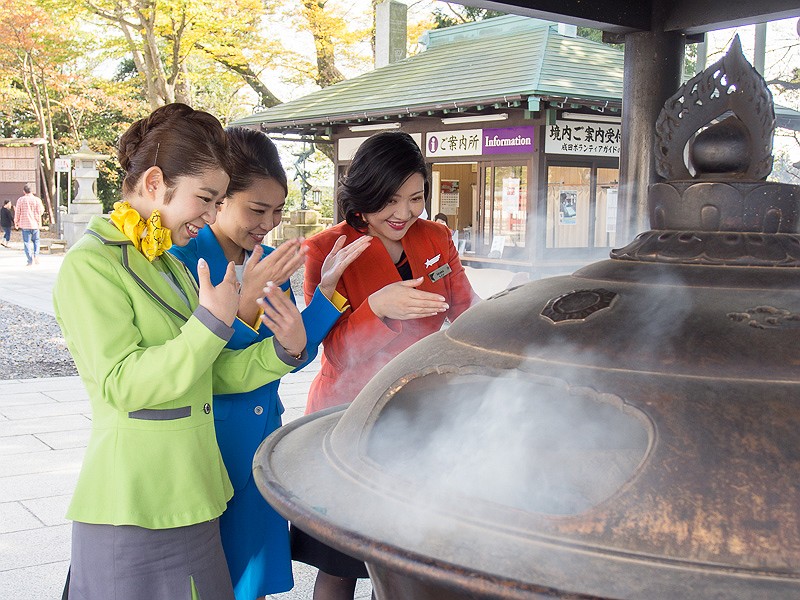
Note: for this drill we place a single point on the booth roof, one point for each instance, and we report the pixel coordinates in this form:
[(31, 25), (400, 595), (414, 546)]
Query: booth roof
[(507, 64)]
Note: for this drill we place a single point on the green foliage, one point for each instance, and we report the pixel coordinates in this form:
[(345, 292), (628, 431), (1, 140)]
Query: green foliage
[(596, 35), (457, 15), (460, 15)]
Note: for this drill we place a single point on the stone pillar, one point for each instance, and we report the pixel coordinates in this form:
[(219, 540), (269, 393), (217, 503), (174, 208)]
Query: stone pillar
[(391, 29), (85, 204), (652, 73)]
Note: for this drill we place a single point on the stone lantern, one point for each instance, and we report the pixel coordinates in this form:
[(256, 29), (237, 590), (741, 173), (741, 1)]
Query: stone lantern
[(85, 203)]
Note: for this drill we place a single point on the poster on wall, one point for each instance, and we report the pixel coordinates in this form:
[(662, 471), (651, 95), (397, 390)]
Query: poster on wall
[(510, 194), (567, 207), (611, 210), (582, 138), (448, 196)]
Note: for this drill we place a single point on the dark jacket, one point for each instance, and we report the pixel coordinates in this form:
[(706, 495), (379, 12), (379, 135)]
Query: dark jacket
[(6, 218)]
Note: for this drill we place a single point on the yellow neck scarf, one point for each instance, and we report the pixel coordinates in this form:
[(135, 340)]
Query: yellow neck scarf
[(149, 236)]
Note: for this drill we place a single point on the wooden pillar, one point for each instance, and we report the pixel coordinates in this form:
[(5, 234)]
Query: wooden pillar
[(652, 73)]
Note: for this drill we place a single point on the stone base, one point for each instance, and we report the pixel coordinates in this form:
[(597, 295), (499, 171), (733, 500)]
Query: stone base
[(304, 217), (305, 231), (74, 225)]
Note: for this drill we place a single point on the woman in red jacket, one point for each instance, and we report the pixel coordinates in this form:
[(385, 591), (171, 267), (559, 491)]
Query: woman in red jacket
[(400, 290)]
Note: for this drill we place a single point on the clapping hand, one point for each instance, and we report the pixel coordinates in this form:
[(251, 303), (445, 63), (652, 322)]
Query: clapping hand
[(338, 260), (221, 300), (277, 268), (283, 319), (402, 300)]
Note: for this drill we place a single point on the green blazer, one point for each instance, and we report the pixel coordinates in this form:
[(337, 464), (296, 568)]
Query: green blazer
[(150, 364)]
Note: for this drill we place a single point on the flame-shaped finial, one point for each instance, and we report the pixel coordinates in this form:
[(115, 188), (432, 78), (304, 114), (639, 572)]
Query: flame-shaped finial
[(739, 146)]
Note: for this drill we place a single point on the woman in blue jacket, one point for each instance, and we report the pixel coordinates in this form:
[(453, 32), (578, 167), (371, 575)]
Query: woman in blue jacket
[(255, 538)]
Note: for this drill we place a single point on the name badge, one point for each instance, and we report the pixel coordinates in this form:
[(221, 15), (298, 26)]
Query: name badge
[(437, 274)]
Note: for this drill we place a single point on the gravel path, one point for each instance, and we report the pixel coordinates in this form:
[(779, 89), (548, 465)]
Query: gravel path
[(32, 345)]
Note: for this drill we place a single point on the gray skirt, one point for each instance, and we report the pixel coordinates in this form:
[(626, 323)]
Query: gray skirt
[(125, 562)]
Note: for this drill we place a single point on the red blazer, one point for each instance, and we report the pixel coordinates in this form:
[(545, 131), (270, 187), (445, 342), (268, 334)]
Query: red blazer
[(360, 344)]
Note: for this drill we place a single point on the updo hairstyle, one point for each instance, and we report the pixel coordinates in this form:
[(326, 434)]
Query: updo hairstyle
[(253, 156), (380, 166), (176, 138)]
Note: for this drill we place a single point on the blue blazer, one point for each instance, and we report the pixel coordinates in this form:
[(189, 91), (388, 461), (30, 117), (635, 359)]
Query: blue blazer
[(243, 420)]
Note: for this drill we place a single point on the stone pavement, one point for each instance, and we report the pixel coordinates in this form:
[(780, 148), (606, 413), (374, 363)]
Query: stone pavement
[(44, 429)]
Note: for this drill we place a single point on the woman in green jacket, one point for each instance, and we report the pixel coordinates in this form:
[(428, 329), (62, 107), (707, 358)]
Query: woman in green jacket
[(149, 346)]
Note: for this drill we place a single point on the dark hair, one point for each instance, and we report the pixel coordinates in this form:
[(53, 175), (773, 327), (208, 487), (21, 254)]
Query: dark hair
[(26, 188), (441, 217), (380, 167), (176, 138), (253, 156)]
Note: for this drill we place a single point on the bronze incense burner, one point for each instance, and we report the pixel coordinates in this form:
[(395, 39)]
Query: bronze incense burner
[(628, 431)]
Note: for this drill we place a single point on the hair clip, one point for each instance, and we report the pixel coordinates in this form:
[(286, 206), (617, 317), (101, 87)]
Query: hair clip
[(155, 160)]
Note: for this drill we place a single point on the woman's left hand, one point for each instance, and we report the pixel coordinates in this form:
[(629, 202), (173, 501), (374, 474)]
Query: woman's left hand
[(338, 259), (283, 319)]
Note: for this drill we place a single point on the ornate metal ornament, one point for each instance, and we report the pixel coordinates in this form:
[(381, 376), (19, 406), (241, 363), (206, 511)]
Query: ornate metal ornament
[(767, 317), (731, 84), (715, 207), (577, 305)]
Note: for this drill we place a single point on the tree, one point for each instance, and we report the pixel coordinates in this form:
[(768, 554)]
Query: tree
[(336, 36), (324, 27), (163, 38), (153, 34), (37, 57), (458, 14)]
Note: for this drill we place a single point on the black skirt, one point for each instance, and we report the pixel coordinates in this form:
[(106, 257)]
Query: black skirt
[(311, 551)]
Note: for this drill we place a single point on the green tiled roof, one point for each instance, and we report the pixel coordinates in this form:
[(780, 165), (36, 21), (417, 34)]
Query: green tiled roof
[(496, 62), (502, 64), (580, 68)]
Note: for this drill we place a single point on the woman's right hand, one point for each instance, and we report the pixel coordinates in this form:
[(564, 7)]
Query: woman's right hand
[(222, 300), (277, 268), (402, 301), (338, 259)]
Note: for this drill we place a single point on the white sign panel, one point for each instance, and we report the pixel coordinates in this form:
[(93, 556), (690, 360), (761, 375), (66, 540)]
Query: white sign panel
[(348, 146), (582, 138), (62, 165), (461, 142), (498, 243), (611, 210)]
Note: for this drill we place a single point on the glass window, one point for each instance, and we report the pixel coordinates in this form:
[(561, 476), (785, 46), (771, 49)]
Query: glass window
[(605, 232), (504, 211), (569, 194), (581, 206)]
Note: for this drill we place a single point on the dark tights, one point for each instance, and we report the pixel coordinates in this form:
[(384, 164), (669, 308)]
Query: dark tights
[(331, 587)]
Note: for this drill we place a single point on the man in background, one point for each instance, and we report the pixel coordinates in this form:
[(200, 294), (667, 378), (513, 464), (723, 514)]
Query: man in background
[(28, 217)]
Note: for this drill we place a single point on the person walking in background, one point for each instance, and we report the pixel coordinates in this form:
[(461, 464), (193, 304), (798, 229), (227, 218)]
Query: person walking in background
[(28, 217), (6, 222), (255, 538), (399, 290), (149, 345)]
